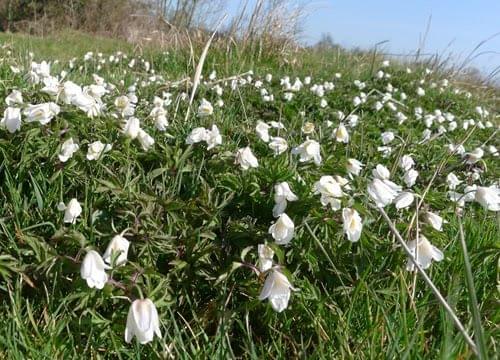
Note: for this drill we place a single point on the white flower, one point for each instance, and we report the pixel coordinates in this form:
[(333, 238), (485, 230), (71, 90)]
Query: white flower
[(474, 156), (406, 162), (96, 149), (282, 194), (434, 220), (282, 230), (145, 139), (125, 106), (266, 254), (69, 91), (11, 119), (213, 137), (381, 172), (93, 270), (323, 103), (387, 137), (262, 130), (403, 200), (425, 253), (43, 113), (354, 166), (71, 211), (197, 135), (278, 145), (14, 98), (308, 128), (410, 177), (352, 224), (420, 92), (246, 159), (131, 127), (453, 181), (142, 321), (88, 104), (488, 197), (205, 108), (277, 289), (330, 191), (341, 134), (118, 245), (68, 148), (308, 150), (382, 192)]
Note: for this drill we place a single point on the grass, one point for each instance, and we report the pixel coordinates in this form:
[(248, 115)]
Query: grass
[(191, 214)]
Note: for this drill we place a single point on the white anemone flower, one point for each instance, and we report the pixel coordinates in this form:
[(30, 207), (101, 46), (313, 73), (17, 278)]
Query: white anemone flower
[(145, 139), (246, 159), (14, 98), (425, 252), (488, 197), (213, 137), (387, 137), (93, 270), (353, 225), (97, 149), (406, 162), (381, 172), (197, 135), (410, 177), (307, 151), (453, 181), (118, 245), (341, 134), (277, 289), (434, 220), (330, 190), (131, 127), (278, 145), (205, 108), (43, 113), (266, 254), (11, 119), (262, 130), (282, 230), (71, 211), (403, 200), (68, 148), (142, 321), (382, 192), (354, 167), (282, 194)]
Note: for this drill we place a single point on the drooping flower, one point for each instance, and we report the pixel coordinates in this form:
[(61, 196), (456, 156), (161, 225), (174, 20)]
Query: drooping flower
[(282, 230), (277, 289), (262, 130), (330, 190), (381, 172), (266, 254), (453, 181), (68, 148), (424, 252), (474, 156), (119, 245), (282, 194), (11, 119), (434, 220), (93, 270), (43, 113), (205, 108), (142, 321), (354, 167), (308, 150), (387, 137), (381, 192), (213, 137), (71, 211), (403, 200), (406, 162), (145, 139), (131, 127), (488, 197), (246, 159), (410, 177), (353, 224), (14, 98), (278, 145), (197, 135), (341, 134), (96, 149)]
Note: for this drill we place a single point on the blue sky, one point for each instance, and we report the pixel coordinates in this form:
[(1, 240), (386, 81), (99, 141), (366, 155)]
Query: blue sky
[(456, 26)]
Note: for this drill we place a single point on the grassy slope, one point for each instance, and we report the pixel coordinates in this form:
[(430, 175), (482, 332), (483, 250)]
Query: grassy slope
[(353, 300)]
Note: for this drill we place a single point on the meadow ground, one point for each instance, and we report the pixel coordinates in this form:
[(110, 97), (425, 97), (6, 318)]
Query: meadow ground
[(195, 218)]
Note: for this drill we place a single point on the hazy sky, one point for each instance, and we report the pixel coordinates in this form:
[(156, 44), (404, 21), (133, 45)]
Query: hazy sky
[(456, 25)]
